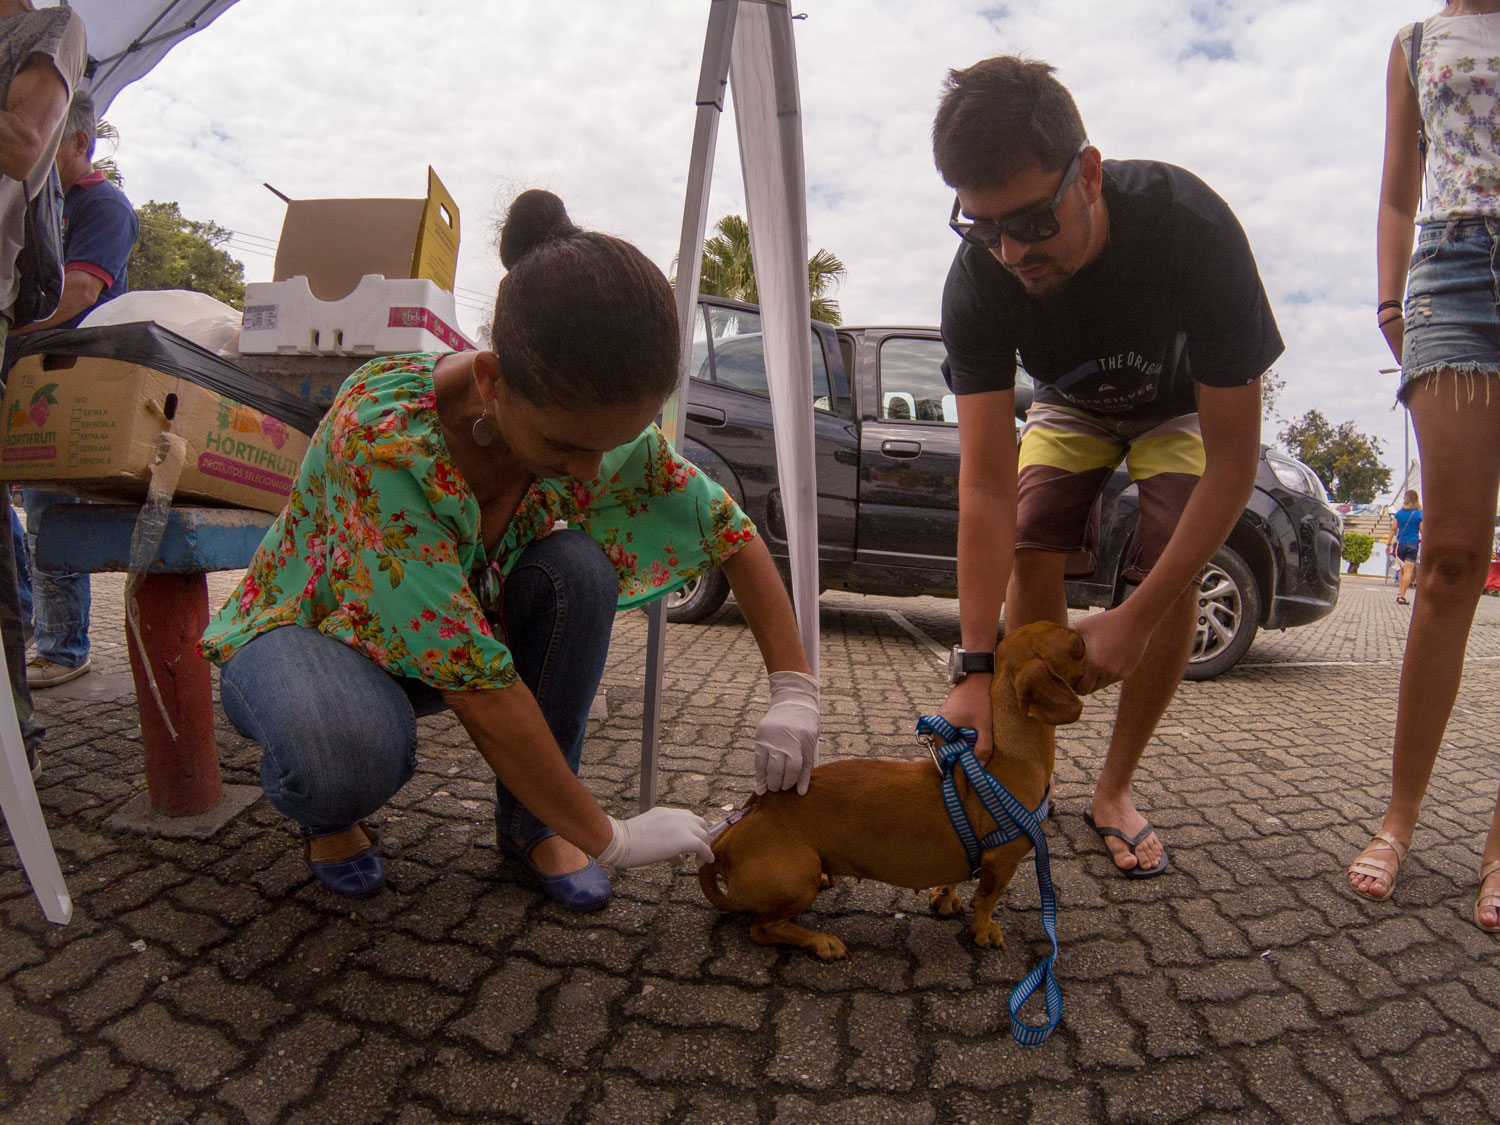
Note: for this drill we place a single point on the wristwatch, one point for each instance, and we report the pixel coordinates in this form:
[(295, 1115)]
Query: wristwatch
[(961, 663)]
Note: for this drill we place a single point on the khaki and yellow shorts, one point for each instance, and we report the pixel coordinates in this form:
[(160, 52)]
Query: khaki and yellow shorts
[(1065, 458)]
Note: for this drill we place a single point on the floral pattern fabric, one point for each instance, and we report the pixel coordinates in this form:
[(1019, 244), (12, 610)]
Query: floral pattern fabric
[(380, 535), (1458, 90)]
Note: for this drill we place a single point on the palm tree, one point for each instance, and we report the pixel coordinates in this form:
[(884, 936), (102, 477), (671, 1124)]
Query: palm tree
[(104, 131), (728, 270)]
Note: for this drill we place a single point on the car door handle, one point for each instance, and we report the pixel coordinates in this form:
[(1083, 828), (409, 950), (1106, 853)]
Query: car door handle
[(901, 448), (706, 415)]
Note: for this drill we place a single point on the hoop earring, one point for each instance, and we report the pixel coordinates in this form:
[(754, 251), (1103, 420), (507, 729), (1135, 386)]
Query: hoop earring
[(483, 431)]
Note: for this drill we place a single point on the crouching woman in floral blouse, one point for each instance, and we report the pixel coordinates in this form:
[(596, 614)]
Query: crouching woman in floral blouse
[(413, 570)]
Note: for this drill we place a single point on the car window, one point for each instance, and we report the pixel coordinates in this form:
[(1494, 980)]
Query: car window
[(911, 381), (698, 365), (739, 359)]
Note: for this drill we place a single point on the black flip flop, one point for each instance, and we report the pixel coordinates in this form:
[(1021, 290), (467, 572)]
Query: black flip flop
[(1136, 872)]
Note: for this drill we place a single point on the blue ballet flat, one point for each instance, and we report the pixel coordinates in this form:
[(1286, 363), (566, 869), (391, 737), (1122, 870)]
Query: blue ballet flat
[(359, 876), (580, 891)]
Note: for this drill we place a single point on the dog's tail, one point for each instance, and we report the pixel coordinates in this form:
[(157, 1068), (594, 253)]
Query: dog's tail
[(708, 879), (709, 873)]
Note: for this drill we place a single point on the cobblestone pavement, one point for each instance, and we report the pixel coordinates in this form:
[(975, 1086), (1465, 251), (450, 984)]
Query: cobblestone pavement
[(211, 982)]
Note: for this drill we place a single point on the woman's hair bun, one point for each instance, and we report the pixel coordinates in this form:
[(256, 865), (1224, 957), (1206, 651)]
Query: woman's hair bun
[(535, 216)]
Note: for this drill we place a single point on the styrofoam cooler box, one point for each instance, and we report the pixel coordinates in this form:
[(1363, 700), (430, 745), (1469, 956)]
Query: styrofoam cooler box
[(383, 316)]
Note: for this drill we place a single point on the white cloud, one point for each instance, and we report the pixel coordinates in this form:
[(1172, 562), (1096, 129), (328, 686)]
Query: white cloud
[(1278, 104)]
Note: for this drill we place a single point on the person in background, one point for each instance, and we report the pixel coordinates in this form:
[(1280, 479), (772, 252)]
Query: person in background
[(42, 56), (99, 232), (1131, 293), (1446, 333), (417, 567), (1404, 541)]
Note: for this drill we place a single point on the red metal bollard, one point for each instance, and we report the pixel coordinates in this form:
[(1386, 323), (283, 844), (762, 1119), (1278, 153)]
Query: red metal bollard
[(182, 773)]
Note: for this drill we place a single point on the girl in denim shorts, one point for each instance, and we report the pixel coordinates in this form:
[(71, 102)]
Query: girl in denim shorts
[(1441, 85)]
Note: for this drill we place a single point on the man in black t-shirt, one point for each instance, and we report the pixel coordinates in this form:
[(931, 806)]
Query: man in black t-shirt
[(1130, 292)]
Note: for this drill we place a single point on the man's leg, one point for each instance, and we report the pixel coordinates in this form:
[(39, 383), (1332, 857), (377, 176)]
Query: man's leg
[(1144, 696), (13, 635), (60, 608), (1036, 589), (22, 552)]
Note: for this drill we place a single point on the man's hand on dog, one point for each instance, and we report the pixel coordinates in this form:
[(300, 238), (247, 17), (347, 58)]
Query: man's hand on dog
[(1115, 644), (968, 705), (786, 741)]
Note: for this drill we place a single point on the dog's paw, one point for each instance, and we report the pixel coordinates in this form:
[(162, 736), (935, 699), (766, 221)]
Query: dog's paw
[(987, 934), (825, 881), (945, 901), (826, 947)]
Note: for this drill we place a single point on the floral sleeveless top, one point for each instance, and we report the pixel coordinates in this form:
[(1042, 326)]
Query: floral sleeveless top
[(1458, 81), (379, 544)]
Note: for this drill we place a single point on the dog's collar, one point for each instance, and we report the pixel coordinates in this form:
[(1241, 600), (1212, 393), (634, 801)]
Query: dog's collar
[(952, 748)]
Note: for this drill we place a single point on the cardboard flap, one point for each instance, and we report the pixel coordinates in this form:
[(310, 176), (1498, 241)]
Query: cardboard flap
[(436, 255)]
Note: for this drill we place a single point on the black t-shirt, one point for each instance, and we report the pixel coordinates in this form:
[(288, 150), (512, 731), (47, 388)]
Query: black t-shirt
[(1174, 299)]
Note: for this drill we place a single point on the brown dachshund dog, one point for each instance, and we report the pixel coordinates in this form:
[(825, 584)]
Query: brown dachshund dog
[(885, 820)]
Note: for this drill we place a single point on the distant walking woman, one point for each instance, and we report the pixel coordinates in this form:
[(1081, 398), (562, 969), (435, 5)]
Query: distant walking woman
[(1405, 537), (1446, 333)]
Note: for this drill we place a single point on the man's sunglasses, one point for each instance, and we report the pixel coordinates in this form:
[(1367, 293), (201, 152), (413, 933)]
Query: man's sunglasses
[(1034, 224)]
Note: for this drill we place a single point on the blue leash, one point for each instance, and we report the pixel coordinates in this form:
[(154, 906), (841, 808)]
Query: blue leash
[(952, 747)]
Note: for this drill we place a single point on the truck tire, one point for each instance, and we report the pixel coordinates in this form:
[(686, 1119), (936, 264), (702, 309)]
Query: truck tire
[(701, 597), (1228, 616)]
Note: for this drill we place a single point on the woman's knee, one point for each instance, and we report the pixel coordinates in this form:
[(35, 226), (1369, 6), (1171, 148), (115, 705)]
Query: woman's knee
[(566, 568), (1453, 564), (332, 754), (327, 794)]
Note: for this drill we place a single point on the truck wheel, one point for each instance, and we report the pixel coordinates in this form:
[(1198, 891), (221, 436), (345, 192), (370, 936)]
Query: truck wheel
[(1228, 616), (700, 598)]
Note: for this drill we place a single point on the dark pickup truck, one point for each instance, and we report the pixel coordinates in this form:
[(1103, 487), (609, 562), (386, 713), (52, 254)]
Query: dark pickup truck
[(886, 434)]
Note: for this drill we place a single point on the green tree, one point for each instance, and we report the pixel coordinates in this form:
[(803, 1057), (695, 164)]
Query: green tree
[(1271, 386), (728, 270), (175, 252), (1347, 461), (104, 131), (1357, 548)]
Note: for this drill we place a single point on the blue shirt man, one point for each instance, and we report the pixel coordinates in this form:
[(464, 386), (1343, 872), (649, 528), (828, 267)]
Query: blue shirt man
[(99, 231)]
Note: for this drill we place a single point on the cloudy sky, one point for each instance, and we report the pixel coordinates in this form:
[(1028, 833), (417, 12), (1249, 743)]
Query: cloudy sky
[(1278, 104)]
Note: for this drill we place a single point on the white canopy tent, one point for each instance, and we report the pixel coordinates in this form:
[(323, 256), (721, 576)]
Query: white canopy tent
[(129, 37), (749, 43)]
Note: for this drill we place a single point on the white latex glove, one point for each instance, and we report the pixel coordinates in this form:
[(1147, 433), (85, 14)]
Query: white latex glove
[(786, 741), (655, 835)]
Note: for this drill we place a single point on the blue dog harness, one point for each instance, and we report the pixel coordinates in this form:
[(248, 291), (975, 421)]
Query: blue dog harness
[(954, 747)]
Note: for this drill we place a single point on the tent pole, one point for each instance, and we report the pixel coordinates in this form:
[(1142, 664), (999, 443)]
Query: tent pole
[(768, 119), (712, 79)]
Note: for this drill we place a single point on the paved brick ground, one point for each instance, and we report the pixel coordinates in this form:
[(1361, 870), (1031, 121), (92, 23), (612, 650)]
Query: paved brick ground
[(210, 982)]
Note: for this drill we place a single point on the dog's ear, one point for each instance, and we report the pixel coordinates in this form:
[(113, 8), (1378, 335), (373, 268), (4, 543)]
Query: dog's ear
[(1042, 695)]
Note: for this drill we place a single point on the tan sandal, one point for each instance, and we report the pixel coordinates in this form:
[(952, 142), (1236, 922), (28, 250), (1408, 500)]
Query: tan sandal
[(1490, 899), (1383, 869)]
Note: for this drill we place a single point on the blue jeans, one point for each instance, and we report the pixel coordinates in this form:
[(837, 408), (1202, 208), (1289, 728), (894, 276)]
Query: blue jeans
[(339, 733), (22, 549), (12, 636), (59, 598)]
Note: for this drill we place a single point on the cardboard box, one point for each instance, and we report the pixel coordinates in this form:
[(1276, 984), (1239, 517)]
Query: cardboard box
[(93, 429), (335, 242)]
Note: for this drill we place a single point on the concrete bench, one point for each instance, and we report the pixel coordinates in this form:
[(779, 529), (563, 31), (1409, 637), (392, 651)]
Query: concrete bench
[(182, 758)]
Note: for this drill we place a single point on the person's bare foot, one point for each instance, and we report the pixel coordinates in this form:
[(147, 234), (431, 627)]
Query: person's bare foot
[(341, 845), (1487, 908), (1373, 872), (1120, 812)]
